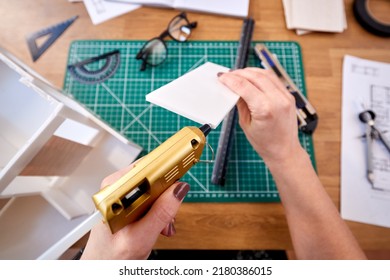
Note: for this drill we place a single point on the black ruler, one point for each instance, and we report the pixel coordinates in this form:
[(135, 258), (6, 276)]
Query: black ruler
[(229, 123)]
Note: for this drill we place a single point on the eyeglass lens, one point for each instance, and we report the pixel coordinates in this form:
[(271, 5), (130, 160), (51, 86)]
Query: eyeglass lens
[(154, 52), (179, 29)]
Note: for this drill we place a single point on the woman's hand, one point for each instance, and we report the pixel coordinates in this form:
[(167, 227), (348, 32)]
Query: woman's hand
[(136, 240), (266, 112)]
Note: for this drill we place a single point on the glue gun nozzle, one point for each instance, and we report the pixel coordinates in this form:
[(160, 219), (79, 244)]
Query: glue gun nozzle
[(206, 128)]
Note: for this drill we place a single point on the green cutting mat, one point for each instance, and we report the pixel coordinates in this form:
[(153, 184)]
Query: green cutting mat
[(120, 101)]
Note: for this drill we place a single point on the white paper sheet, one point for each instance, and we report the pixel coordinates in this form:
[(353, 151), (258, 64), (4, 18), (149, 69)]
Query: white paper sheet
[(224, 7), (197, 95), (365, 82), (100, 10), (237, 8)]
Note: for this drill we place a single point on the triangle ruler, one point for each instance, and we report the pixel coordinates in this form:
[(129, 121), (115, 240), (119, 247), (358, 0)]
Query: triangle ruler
[(53, 32)]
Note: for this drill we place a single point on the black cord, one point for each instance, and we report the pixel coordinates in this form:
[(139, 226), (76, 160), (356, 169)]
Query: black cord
[(79, 254)]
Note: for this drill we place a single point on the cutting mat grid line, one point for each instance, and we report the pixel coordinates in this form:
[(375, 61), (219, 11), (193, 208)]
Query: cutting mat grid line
[(120, 101)]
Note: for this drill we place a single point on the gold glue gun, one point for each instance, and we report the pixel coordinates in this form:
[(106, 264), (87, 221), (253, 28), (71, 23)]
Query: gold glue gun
[(129, 198)]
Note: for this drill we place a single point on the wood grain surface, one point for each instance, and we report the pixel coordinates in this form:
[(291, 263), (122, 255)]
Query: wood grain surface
[(222, 225)]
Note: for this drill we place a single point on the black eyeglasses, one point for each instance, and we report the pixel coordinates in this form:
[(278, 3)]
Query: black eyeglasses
[(155, 51)]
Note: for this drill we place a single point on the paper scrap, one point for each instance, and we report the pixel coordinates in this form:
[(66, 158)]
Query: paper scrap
[(197, 95), (100, 10), (366, 85)]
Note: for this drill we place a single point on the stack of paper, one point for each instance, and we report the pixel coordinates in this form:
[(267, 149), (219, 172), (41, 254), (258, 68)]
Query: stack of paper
[(315, 15)]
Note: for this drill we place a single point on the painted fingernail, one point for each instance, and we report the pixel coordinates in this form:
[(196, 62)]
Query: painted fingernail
[(171, 229), (181, 190), (219, 74)]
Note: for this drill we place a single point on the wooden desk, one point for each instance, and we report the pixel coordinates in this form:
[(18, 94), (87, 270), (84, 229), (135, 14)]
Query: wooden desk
[(222, 225)]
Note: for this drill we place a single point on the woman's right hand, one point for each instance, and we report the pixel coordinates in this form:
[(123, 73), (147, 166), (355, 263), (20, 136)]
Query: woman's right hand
[(266, 112)]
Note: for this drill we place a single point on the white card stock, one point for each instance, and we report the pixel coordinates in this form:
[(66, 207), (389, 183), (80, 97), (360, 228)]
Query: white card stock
[(197, 95)]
